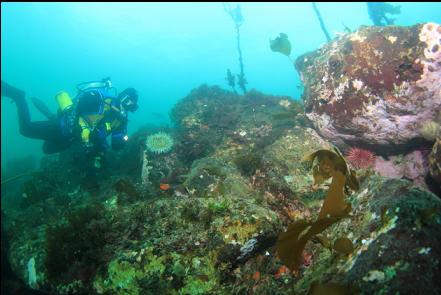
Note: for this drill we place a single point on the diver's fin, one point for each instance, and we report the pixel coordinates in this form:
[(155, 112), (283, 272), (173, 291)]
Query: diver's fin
[(42, 107), (11, 92)]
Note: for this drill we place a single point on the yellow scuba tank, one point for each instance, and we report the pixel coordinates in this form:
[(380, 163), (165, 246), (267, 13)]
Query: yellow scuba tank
[(64, 101), (66, 113)]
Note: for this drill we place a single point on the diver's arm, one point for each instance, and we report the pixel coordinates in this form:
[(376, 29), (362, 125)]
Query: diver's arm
[(85, 131), (119, 137)]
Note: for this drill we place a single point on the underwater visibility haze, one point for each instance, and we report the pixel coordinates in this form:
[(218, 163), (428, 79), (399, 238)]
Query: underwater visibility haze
[(221, 148)]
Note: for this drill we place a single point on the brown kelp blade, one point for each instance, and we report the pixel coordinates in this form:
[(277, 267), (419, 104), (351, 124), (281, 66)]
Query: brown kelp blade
[(324, 241), (281, 44), (336, 158), (322, 224), (330, 289), (343, 245), (291, 243), (287, 246), (351, 175), (352, 181), (334, 204), (319, 176), (324, 163)]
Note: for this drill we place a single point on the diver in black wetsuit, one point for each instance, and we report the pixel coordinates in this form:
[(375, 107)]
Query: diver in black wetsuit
[(94, 114), (377, 12)]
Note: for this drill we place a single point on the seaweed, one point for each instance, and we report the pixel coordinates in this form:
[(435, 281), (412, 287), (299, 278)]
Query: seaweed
[(38, 189), (326, 163), (231, 79), (322, 24), (283, 116), (343, 245), (236, 15), (281, 44), (290, 244), (126, 187), (75, 249), (248, 161), (218, 207)]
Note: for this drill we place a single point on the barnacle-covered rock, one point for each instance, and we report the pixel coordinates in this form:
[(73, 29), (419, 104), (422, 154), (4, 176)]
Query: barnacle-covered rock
[(375, 87)]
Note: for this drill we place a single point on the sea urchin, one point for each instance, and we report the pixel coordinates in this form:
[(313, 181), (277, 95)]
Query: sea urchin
[(360, 158)]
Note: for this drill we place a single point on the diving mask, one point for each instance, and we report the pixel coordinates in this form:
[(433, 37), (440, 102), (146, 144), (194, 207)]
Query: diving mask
[(129, 99)]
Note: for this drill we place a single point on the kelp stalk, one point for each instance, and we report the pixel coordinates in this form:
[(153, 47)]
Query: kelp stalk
[(241, 80), (237, 17), (322, 24)]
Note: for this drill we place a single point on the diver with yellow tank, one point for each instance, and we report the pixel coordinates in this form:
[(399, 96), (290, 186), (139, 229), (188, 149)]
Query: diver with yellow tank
[(95, 113)]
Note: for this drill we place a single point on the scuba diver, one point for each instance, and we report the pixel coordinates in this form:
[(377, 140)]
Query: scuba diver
[(95, 113), (377, 12)]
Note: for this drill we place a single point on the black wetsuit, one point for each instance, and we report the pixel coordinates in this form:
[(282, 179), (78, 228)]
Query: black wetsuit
[(50, 131)]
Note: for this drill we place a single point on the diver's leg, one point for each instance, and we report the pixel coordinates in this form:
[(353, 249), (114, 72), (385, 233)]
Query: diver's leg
[(24, 117), (11, 91), (46, 130), (51, 147)]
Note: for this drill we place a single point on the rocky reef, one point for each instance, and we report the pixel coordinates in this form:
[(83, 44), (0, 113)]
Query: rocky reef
[(203, 215), (376, 87), (435, 161)]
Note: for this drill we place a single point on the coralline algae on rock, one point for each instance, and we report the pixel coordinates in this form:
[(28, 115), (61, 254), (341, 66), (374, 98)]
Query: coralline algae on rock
[(435, 161), (374, 86)]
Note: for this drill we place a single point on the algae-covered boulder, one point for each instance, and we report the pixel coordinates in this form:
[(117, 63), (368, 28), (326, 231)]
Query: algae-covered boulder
[(287, 177), (210, 117), (170, 243), (284, 158), (377, 86), (186, 239)]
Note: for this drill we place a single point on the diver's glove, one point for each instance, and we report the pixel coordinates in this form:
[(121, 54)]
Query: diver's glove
[(98, 161)]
